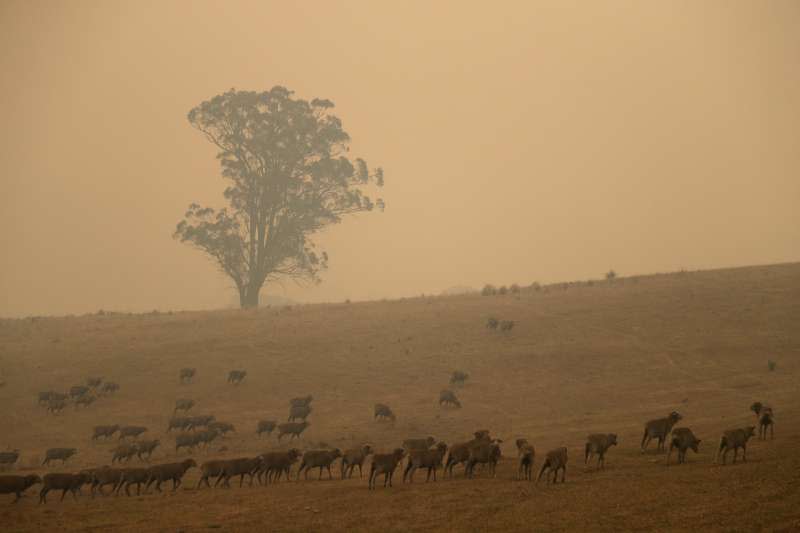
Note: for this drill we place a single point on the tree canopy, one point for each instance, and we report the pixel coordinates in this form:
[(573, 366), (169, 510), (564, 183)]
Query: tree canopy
[(288, 176)]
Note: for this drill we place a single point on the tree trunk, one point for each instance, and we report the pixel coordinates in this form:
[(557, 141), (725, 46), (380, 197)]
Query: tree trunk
[(248, 298)]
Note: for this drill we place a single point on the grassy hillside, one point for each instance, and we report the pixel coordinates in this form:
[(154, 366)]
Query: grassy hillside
[(600, 358)]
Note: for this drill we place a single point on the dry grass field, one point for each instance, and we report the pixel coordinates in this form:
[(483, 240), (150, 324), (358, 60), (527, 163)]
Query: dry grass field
[(600, 358)]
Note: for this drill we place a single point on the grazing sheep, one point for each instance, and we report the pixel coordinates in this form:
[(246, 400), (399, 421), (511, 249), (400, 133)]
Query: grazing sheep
[(293, 429), (247, 466), (105, 476), (318, 459), (221, 427), (211, 469), (200, 421), (131, 431), (266, 426), (418, 444), (506, 325), (65, 483), (428, 459), (146, 447), (104, 431), (484, 453), (301, 401), (56, 406), (86, 400), (526, 458), (17, 484), (599, 443), (274, 464), (299, 413), (659, 429), (166, 472), (179, 422), (386, 464), (448, 397), (459, 453), (183, 405), (683, 439), (109, 387), (766, 421), (77, 391), (735, 438), (61, 454), (9, 458), (353, 457), (93, 383), (553, 461), (205, 437), (492, 323), (458, 377), (124, 451), (133, 476), (187, 374), (384, 412), (185, 440), (236, 376)]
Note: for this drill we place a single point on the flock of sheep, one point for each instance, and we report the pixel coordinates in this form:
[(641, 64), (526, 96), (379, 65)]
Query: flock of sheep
[(426, 453)]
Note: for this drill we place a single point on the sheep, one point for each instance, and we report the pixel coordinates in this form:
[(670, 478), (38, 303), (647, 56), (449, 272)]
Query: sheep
[(659, 429), (384, 412), (109, 387), (131, 431), (78, 390), (265, 426), (735, 438), (386, 464), (448, 397), (682, 439), (756, 407), (274, 464), (44, 397), (124, 451), (293, 429), (179, 422), (221, 427), (492, 323), (459, 453), (86, 400), (165, 472), (65, 483), (553, 461), (205, 436), (211, 469), (61, 454), (527, 454), (94, 382), (301, 401), (506, 325), (520, 443), (104, 431), (299, 413), (132, 476), (353, 457), (318, 459), (766, 421), (200, 421), (9, 458), (187, 375), (458, 378), (236, 376), (418, 444), (17, 484), (429, 459), (146, 447), (105, 476), (185, 440), (247, 466), (183, 405), (599, 443), (484, 453), (56, 406)]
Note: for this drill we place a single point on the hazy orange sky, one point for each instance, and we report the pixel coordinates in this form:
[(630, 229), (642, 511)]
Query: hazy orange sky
[(521, 141)]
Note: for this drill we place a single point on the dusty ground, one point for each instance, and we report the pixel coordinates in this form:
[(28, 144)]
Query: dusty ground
[(586, 359)]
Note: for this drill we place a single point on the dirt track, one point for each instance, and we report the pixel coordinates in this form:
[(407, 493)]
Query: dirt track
[(601, 358)]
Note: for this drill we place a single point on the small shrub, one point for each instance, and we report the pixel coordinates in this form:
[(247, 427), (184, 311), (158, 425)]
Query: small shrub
[(492, 323), (611, 275), (772, 365), (536, 286), (488, 290), (514, 288), (506, 325)]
